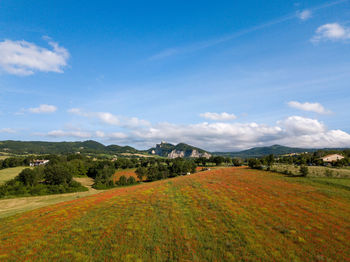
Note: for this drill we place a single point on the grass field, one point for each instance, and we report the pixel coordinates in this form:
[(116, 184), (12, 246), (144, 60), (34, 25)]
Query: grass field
[(10, 173), (227, 214), (314, 171), (17, 205)]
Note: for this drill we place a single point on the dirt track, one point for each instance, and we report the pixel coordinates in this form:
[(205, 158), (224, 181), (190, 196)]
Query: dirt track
[(13, 206)]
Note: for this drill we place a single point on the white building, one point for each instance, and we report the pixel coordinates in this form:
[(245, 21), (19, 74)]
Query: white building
[(38, 162)]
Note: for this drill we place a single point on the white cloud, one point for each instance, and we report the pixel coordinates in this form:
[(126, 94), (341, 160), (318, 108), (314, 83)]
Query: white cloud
[(297, 125), (295, 131), (111, 119), (218, 116), (24, 58), (312, 107), (43, 109), (7, 130), (304, 15), (333, 32), (76, 134), (100, 134)]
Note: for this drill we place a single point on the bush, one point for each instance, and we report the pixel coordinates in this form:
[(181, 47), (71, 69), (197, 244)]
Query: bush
[(304, 171), (57, 174), (328, 172), (254, 163), (122, 181), (131, 180)]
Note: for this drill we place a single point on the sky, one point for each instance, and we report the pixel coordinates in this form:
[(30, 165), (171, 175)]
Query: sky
[(220, 75)]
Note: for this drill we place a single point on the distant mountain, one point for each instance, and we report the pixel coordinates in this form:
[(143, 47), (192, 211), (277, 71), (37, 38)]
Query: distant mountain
[(180, 150), (93, 147), (267, 150), (121, 149), (39, 147), (163, 149)]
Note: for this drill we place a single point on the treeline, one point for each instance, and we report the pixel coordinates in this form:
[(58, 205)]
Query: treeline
[(218, 160), (147, 170), (314, 159), (305, 159), (53, 178), (15, 161), (166, 169)]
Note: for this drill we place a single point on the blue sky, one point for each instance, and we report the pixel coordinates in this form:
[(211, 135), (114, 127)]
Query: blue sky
[(224, 76)]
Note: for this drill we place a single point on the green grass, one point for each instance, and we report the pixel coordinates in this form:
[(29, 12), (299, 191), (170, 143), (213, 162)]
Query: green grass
[(314, 171), (10, 173)]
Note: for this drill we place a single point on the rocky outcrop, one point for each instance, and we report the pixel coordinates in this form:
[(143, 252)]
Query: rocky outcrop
[(176, 154), (165, 149), (191, 154)]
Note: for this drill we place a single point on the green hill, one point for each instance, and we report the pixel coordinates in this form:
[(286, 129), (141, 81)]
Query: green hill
[(164, 149), (267, 150), (39, 147)]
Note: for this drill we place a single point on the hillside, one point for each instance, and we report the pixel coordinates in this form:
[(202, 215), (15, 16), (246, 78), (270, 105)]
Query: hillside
[(163, 149), (39, 147), (267, 150), (230, 214), (180, 150)]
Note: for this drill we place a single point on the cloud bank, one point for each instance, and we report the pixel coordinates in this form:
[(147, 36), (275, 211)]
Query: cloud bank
[(312, 107), (111, 119), (218, 116), (24, 58), (295, 131), (331, 32), (43, 109)]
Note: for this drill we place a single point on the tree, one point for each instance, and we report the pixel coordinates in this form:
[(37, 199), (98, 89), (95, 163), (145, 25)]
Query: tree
[(28, 177), (236, 162), (57, 174), (254, 163), (304, 171), (218, 160), (104, 175), (270, 159), (131, 180), (122, 181), (141, 172)]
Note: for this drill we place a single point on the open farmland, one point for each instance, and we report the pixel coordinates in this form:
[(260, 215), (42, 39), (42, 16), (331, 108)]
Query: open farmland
[(314, 171), (219, 215), (10, 173)]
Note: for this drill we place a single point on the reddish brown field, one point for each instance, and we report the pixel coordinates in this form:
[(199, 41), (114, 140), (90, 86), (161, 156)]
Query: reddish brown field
[(125, 172), (226, 214)]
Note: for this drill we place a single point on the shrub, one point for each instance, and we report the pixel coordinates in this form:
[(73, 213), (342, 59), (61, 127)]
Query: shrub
[(328, 172), (122, 181), (254, 163), (131, 180), (57, 175), (304, 171)]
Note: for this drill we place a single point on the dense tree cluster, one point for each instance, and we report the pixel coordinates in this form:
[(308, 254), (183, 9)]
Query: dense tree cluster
[(314, 159), (217, 161), (15, 161), (51, 179), (157, 170)]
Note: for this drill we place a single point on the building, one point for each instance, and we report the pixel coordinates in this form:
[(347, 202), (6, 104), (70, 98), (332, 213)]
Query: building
[(332, 158), (38, 162)]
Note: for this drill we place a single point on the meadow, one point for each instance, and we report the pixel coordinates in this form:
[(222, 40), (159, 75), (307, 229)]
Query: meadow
[(227, 214), (10, 173), (315, 171)]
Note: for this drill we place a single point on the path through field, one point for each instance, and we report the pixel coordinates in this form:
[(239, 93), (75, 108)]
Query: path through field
[(13, 206), (219, 215)]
